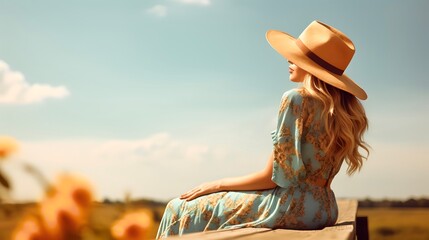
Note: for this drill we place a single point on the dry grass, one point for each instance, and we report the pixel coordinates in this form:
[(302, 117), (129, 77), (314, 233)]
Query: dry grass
[(101, 218), (397, 223), (10, 215)]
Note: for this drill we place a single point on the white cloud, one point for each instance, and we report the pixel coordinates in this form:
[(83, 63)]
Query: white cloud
[(143, 166), (195, 2), (158, 10), (15, 90), (160, 148)]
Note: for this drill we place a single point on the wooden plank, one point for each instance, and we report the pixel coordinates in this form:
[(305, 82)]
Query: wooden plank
[(223, 234), (345, 228), (280, 234), (347, 211), (341, 232)]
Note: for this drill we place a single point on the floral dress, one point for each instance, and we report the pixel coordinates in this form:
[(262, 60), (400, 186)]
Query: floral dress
[(302, 199)]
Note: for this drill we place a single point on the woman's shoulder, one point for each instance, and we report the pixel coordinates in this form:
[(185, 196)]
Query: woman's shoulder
[(294, 95)]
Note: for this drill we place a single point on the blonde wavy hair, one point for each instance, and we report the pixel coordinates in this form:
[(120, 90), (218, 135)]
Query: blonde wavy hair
[(345, 121)]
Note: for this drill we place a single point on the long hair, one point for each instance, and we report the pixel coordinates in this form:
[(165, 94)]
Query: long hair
[(345, 122)]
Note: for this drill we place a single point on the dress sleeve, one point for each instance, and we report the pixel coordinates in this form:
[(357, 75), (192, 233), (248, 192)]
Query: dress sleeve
[(288, 167)]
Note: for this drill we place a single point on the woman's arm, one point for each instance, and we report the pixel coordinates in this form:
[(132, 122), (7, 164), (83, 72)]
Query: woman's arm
[(256, 181)]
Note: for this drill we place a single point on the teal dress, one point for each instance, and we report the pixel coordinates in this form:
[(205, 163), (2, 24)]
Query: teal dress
[(302, 198)]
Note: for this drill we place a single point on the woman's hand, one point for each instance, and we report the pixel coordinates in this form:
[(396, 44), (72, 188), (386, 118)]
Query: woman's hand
[(203, 189)]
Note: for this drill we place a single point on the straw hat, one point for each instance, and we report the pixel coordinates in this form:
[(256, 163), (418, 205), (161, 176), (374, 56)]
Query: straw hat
[(320, 50)]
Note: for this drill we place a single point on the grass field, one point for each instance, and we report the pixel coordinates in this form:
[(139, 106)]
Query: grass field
[(101, 218), (384, 223), (397, 223)]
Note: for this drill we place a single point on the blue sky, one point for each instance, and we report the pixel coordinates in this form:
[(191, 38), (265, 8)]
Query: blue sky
[(153, 97)]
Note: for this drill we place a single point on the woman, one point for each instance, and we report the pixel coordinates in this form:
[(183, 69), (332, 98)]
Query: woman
[(320, 125)]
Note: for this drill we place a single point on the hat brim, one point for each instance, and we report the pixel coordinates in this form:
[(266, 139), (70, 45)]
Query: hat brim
[(285, 45)]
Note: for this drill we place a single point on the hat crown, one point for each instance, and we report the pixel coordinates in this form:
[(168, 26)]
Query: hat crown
[(329, 44), (321, 50)]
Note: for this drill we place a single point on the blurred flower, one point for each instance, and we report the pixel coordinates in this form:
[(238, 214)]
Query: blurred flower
[(133, 226), (29, 229), (76, 188), (61, 217), (8, 146), (65, 210), (62, 214)]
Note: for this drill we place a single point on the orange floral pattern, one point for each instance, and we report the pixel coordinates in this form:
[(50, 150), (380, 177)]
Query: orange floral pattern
[(302, 199)]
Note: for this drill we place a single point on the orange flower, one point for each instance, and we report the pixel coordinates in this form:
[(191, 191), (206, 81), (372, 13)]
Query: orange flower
[(75, 188), (133, 226), (8, 146), (61, 217), (62, 214), (65, 210), (29, 229)]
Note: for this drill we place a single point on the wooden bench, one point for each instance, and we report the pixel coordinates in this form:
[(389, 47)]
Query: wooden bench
[(348, 227)]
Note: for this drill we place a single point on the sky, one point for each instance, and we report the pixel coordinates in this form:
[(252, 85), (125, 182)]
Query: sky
[(151, 98)]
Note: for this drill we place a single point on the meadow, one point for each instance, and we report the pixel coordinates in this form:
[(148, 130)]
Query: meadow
[(384, 223), (101, 218), (397, 223)]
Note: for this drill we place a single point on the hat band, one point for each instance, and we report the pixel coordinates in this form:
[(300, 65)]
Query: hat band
[(317, 59)]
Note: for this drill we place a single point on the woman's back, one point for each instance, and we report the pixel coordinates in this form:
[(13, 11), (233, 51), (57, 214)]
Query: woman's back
[(300, 164)]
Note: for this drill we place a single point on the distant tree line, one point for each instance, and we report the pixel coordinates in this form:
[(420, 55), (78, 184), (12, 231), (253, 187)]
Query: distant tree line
[(363, 203), (409, 203), (144, 202)]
